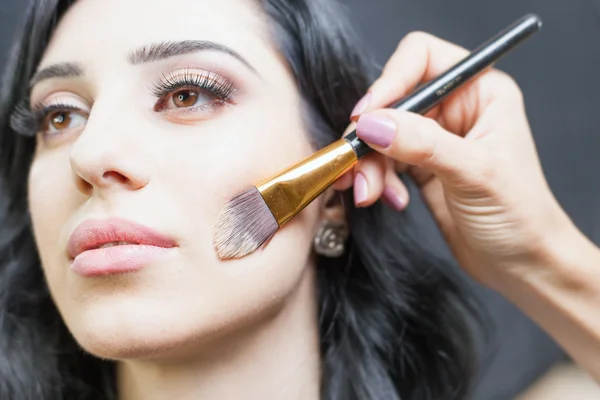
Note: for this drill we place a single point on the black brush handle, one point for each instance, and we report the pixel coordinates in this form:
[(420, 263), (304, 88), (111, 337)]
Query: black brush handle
[(433, 92)]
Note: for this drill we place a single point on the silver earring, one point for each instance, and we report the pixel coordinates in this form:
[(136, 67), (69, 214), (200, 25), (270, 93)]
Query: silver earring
[(330, 241)]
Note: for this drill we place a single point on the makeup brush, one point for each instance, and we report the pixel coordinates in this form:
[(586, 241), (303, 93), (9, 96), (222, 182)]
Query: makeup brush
[(253, 217)]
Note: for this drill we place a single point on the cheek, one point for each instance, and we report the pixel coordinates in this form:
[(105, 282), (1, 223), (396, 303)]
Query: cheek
[(52, 201), (233, 154)]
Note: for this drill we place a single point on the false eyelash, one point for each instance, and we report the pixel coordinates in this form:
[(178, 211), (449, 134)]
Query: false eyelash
[(27, 122), (23, 121), (218, 86)]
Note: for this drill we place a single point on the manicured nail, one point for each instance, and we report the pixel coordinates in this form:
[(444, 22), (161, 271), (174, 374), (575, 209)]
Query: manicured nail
[(394, 199), (361, 190), (360, 107), (376, 129)]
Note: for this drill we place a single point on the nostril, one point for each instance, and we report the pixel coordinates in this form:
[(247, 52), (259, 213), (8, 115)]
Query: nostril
[(114, 176), (83, 186)]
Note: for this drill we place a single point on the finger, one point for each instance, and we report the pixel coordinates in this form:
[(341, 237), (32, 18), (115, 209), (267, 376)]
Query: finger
[(344, 182), (419, 57), (422, 142), (369, 179), (395, 194)]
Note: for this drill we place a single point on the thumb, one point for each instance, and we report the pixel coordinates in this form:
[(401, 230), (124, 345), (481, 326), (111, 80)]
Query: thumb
[(420, 141)]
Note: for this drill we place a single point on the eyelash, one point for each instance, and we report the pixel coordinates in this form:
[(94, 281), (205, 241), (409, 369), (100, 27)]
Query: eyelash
[(28, 121), (210, 82)]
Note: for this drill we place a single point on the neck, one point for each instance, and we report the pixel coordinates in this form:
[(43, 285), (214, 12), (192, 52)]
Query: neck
[(278, 359)]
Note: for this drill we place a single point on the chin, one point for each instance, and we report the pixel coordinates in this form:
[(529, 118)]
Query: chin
[(119, 328), (109, 330)]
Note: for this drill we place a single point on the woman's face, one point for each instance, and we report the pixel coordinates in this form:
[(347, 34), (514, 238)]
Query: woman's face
[(157, 114)]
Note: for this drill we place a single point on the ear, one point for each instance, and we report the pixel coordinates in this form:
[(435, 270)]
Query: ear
[(332, 206), (332, 231)]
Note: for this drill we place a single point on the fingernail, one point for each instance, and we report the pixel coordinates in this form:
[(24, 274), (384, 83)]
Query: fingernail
[(394, 199), (361, 189), (360, 107), (376, 129)]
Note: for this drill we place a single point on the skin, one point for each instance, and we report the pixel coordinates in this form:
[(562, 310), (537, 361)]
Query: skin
[(187, 325)]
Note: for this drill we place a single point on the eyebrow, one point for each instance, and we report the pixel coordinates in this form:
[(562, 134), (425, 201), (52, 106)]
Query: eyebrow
[(62, 70), (145, 54), (162, 50)]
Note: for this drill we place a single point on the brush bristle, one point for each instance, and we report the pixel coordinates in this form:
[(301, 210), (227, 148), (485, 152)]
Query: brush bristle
[(244, 225)]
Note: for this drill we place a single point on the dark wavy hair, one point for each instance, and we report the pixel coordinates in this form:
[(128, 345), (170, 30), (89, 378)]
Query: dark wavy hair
[(394, 323)]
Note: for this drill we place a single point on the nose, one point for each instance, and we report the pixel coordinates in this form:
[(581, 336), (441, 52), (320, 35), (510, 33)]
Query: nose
[(109, 155)]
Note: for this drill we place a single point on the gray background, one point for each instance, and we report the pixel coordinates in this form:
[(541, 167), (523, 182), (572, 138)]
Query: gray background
[(557, 71)]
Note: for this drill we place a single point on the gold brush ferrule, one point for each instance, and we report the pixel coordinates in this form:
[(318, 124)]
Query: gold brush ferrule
[(287, 193)]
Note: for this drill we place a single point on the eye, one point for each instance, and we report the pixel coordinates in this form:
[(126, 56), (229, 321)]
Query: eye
[(62, 112), (188, 98), (62, 120), (191, 91)]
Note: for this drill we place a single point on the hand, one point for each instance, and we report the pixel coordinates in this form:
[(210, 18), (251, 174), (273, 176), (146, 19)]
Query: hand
[(473, 158)]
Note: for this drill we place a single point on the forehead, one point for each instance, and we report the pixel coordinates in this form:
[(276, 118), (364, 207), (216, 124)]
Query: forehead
[(94, 31)]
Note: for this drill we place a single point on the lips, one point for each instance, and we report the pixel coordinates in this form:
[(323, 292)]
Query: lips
[(100, 247), (94, 234)]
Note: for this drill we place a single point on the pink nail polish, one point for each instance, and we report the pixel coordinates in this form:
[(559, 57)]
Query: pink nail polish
[(361, 189), (394, 199), (360, 107), (376, 129)]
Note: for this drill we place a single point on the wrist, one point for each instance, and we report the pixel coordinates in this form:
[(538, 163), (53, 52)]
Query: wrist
[(562, 259), (572, 261)]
